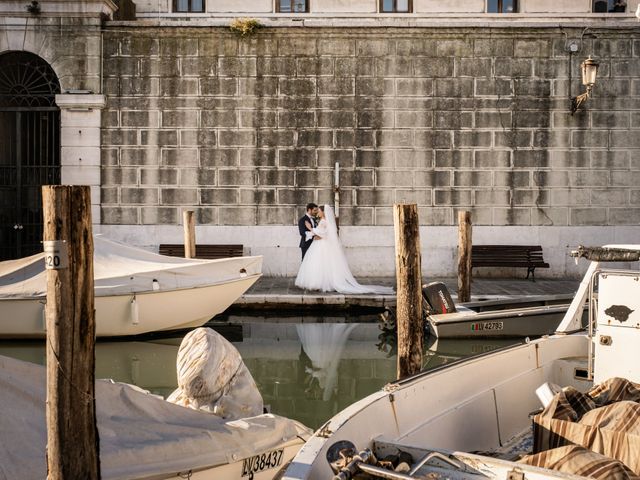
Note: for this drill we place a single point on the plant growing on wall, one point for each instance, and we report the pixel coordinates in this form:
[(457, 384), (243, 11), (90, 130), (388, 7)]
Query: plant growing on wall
[(244, 27)]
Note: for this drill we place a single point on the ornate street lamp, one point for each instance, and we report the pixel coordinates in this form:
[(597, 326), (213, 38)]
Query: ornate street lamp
[(589, 70)]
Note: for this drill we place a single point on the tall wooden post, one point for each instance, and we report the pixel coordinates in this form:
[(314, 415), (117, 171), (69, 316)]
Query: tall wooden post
[(464, 256), (72, 437), (409, 289), (189, 222)]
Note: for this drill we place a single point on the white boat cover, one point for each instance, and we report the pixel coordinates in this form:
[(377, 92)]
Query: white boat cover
[(121, 269), (213, 378), (140, 434)]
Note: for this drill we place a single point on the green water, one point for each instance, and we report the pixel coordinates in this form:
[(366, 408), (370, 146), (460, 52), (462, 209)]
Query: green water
[(306, 368)]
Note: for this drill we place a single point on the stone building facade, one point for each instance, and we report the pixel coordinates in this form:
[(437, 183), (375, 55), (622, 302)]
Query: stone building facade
[(454, 113)]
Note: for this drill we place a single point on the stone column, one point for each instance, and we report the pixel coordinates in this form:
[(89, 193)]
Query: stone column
[(80, 121)]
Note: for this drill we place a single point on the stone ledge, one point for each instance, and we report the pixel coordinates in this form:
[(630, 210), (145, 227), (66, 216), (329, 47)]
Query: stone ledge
[(383, 21), (80, 101), (306, 300)]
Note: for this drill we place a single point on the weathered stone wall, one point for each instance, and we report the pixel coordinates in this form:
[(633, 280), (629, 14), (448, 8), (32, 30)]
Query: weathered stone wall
[(70, 45), (68, 37), (245, 131)]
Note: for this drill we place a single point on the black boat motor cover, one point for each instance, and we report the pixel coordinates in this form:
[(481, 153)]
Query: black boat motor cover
[(438, 298)]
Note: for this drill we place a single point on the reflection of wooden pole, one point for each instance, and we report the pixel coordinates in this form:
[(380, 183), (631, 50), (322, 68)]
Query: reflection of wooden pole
[(72, 437), (464, 256), (189, 222), (409, 290)]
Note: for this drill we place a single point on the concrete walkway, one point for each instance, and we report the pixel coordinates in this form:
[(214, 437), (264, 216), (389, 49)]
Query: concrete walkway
[(281, 293)]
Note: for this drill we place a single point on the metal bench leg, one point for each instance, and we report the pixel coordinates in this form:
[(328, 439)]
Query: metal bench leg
[(532, 271)]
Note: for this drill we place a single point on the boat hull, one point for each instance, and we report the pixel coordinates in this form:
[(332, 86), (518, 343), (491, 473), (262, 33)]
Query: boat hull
[(479, 402), (132, 314), (522, 322), (240, 468)]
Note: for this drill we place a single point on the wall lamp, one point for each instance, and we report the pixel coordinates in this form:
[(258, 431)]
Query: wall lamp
[(589, 70)]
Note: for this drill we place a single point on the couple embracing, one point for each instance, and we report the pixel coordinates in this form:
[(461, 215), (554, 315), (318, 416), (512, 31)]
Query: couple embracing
[(324, 264)]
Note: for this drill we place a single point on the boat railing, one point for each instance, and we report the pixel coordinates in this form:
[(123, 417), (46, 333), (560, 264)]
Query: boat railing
[(572, 321)]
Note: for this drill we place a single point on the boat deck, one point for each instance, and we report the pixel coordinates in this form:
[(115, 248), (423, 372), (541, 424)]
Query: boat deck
[(515, 448)]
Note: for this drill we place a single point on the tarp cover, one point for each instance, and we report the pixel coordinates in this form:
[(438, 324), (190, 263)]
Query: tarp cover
[(213, 378), (580, 461), (122, 269), (140, 434), (605, 420)]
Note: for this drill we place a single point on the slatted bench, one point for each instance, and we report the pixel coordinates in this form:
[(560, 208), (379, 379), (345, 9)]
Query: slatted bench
[(209, 252), (529, 256)]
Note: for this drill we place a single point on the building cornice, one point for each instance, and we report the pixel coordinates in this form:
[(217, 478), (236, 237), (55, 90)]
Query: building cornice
[(436, 20)]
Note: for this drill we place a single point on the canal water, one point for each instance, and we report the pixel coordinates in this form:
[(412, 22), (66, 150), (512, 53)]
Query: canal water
[(307, 368)]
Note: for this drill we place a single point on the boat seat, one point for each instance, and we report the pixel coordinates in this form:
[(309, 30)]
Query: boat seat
[(203, 251)]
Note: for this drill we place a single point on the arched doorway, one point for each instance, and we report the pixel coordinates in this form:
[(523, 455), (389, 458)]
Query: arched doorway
[(29, 149)]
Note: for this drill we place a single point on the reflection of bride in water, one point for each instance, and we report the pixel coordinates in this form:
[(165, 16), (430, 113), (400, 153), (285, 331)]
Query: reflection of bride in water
[(324, 343)]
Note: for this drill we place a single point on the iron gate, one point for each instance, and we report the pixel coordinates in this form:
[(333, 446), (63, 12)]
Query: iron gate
[(29, 149)]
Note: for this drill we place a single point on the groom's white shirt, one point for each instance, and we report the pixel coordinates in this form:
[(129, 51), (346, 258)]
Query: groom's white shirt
[(309, 234)]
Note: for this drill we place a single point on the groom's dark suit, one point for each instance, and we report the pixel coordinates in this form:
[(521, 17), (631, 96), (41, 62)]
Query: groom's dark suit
[(304, 243)]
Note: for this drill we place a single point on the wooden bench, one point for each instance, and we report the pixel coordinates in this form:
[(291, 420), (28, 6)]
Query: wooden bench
[(529, 256), (203, 251)]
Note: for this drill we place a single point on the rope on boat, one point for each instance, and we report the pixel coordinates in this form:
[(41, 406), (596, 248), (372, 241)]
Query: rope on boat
[(350, 469)]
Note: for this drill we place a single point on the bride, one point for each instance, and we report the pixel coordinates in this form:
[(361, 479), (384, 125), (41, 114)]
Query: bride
[(325, 265)]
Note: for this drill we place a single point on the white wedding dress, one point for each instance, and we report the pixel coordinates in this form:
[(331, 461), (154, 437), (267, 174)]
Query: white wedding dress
[(325, 265)]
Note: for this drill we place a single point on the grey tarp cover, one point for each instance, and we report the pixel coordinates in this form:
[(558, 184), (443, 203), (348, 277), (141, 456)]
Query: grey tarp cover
[(605, 420), (140, 434), (122, 269)]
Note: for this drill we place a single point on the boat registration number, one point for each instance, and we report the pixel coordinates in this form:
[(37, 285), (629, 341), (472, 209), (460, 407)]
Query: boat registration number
[(264, 461), (487, 326)]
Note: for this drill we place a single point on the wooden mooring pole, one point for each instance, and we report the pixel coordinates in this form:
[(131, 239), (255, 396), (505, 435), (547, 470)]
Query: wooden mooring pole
[(189, 222), (464, 256), (409, 289), (72, 437)]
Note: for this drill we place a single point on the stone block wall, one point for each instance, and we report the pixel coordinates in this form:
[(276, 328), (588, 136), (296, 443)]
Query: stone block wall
[(246, 131)]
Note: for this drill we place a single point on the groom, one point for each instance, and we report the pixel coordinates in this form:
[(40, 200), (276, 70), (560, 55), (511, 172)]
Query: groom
[(309, 218)]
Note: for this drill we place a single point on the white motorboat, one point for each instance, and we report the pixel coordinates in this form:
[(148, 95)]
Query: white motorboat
[(521, 317), (471, 419), (528, 316), (144, 437), (136, 291)]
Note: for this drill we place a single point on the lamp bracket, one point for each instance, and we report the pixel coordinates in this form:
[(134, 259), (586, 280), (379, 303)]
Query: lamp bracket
[(573, 45), (576, 102)]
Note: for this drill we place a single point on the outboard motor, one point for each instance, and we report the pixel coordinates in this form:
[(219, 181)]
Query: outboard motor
[(438, 299)]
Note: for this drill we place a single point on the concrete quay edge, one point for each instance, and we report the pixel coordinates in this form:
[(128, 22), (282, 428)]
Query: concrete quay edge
[(278, 293)]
